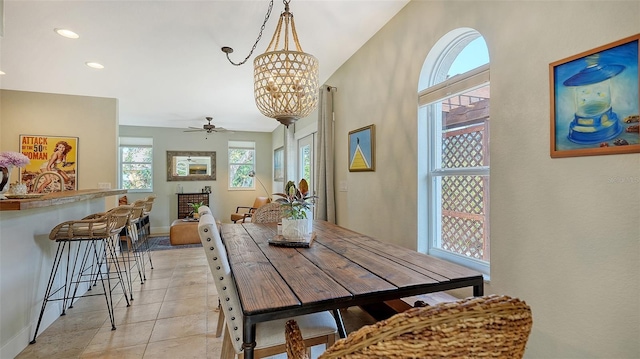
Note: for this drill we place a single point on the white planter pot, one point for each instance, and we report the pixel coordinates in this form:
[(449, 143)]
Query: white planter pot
[(297, 229)]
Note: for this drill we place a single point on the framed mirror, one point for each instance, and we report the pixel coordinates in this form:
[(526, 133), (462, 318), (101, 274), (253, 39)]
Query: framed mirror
[(191, 166)]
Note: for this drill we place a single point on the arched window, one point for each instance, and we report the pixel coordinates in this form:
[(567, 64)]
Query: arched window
[(454, 150)]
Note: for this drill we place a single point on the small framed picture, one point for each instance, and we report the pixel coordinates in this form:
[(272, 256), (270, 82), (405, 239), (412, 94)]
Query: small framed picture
[(362, 149), (594, 101), (278, 161)]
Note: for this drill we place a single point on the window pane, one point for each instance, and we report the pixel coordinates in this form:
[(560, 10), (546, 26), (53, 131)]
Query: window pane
[(136, 170), (137, 154), (136, 176), (474, 55), (465, 122), (464, 219), (305, 161), (237, 155), (241, 163)]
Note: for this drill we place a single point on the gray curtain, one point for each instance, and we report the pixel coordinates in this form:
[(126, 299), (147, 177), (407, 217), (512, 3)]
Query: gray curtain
[(324, 182)]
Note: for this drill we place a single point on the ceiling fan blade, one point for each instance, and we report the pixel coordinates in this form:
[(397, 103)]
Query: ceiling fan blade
[(195, 128), (198, 130)]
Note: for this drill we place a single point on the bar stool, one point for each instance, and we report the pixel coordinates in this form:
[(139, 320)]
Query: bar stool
[(134, 237), (84, 249), (126, 259), (145, 227), (129, 258)]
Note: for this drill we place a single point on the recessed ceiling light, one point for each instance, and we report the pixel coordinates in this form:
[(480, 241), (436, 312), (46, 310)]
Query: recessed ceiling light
[(2, 73), (94, 65), (66, 33)]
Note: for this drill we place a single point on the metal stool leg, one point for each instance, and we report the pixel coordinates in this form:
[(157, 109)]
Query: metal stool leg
[(47, 292), (132, 242)]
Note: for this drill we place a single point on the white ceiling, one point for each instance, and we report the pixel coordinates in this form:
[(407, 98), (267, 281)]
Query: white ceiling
[(162, 58)]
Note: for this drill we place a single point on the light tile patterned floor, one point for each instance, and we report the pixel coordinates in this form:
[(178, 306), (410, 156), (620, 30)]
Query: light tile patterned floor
[(173, 315)]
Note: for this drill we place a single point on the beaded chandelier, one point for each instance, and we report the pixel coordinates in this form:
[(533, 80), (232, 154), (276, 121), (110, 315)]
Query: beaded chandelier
[(285, 81)]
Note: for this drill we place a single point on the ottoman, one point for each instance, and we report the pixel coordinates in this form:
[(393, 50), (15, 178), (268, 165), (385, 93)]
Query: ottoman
[(184, 232)]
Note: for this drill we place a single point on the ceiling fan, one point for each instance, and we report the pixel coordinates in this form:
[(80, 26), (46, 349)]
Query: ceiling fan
[(209, 128)]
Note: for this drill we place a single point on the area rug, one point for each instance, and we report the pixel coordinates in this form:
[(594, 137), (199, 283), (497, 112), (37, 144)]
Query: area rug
[(162, 243)]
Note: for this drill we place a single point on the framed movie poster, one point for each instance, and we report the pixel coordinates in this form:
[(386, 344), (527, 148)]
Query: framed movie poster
[(362, 149), (54, 163)]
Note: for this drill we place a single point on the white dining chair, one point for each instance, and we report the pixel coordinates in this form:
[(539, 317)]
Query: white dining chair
[(319, 328)]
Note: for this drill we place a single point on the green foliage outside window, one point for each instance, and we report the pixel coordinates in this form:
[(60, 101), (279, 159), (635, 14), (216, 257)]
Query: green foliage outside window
[(241, 162), (136, 167)]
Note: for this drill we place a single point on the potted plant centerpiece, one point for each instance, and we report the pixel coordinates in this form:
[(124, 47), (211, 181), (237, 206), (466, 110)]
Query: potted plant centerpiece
[(195, 207), (298, 224)]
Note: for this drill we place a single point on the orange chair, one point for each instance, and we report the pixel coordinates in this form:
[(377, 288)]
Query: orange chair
[(244, 213)]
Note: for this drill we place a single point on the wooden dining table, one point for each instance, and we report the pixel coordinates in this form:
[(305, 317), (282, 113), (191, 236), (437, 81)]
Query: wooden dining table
[(341, 268)]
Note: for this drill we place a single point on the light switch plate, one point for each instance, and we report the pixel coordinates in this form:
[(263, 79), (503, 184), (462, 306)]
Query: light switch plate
[(342, 187)]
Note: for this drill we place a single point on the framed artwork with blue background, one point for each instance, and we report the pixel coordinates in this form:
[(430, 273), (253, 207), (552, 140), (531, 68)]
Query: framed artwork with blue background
[(594, 101), (362, 149)]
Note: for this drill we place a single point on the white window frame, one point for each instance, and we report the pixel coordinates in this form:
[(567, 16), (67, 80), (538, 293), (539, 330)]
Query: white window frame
[(429, 116), (243, 145), (129, 142)]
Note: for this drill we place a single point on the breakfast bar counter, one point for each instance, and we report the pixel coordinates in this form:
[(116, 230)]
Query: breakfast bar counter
[(56, 198), (26, 257)]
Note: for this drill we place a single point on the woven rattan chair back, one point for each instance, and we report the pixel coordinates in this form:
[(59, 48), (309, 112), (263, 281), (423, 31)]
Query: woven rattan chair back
[(138, 210), (149, 203), (97, 225), (269, 213), (119, 217), (480, 327)]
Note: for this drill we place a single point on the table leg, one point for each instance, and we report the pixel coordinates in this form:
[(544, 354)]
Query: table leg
[(338, 317), (249, 340), (478, 290)]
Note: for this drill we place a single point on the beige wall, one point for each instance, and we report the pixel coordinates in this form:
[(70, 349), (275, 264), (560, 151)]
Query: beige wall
[(565, 233), (94, 120), (25, 249)]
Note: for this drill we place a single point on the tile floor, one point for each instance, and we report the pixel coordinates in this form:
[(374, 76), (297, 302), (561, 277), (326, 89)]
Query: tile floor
[(173, 315)]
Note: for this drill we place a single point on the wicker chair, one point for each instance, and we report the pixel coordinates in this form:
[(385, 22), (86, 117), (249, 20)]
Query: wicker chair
[(269, 213), (482, 327), (244, 213)]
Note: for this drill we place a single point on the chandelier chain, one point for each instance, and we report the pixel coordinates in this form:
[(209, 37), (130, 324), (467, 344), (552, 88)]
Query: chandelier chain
[(266, 18)]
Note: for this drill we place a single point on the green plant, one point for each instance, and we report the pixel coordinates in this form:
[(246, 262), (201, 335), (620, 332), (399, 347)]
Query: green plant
[(195, 206), (296, 200)]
